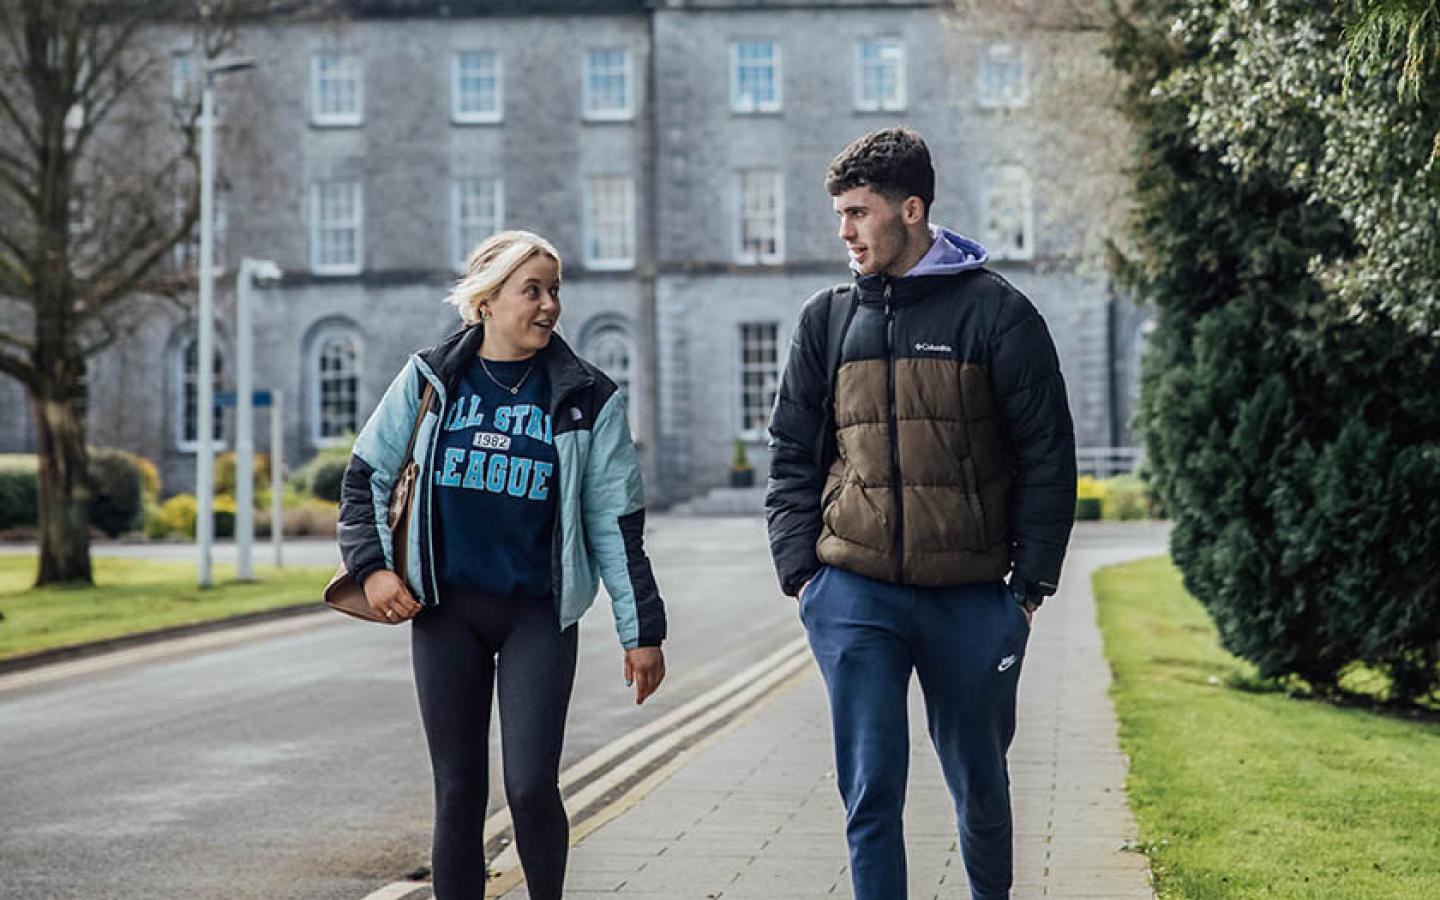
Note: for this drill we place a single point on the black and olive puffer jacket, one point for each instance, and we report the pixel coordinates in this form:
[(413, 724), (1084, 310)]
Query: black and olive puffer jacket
[(948, 455)]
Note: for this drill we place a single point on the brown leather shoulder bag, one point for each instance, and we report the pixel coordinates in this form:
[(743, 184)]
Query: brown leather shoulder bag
[(343, 593)]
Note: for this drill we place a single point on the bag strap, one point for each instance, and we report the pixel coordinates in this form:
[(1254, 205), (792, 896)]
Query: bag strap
[(419, 417), (843, 301)]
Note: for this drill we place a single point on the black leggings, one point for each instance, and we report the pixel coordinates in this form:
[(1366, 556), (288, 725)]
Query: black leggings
[(459, 648)]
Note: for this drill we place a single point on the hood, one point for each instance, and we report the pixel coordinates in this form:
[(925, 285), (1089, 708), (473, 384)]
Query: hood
[(950, 254)]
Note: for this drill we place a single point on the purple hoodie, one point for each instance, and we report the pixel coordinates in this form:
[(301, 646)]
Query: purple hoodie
[(950, 254)]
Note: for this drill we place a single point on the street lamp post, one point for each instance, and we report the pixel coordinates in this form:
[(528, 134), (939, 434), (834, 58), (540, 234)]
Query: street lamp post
[(205, 414), (250, 271)]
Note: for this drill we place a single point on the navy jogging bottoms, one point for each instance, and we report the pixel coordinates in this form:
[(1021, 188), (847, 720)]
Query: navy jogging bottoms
[(966, 643)]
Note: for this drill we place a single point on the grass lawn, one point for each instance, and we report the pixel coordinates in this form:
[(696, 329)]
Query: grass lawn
[(1242, 794), (133, 595)]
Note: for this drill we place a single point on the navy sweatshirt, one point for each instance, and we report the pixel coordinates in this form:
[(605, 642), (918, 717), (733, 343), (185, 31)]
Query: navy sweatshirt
[(496, 484)]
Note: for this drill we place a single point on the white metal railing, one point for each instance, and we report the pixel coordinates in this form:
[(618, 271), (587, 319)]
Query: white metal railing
[(1102, 462)]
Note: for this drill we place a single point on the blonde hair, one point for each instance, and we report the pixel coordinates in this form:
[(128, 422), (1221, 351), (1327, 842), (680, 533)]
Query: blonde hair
[(490, 264)]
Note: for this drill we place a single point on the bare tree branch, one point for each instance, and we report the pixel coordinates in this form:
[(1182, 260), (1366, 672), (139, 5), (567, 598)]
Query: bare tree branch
[(17, 368), (109, 334), (18, 122), (18, 177), (96, 102), (20, 277), (132, 273), (23, 346), (24, 255)]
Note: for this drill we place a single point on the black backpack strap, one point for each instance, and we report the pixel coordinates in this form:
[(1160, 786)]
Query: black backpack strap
[(843, 301)]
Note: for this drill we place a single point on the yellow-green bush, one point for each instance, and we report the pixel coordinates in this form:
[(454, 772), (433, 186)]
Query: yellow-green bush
[(1126, 498), (174, 516), (1089, 498), (177, 516), (149, 478), (225, 473)]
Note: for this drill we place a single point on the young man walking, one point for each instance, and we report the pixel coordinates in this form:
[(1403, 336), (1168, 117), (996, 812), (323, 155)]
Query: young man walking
[(922, 450)]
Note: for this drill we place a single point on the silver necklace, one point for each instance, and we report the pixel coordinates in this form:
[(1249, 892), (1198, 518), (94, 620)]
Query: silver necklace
[(501, 384)]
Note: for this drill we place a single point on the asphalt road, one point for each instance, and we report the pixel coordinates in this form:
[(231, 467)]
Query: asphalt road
[(294, 766)]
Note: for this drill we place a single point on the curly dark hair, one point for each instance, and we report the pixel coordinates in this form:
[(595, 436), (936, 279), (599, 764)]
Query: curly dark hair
[(892, 162)]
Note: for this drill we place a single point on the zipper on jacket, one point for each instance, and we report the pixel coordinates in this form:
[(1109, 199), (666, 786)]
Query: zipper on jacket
[(894, 439)]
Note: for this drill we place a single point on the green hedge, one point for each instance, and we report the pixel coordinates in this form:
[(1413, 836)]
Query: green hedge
[(18, 489), (121, 483)]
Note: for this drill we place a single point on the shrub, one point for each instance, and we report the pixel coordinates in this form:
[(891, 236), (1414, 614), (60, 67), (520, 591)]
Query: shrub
[(225, 473), (149, 478), (175, 516), (224, 513), (1288, 403), (120, 484), (315, 518), (153, 522), (1126, 498), (303, 478), (117, 490), (1089, 498), (325, 480), (18, 491)]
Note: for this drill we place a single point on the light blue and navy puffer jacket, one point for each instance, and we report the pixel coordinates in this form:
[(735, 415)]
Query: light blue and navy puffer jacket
[(599, 520)]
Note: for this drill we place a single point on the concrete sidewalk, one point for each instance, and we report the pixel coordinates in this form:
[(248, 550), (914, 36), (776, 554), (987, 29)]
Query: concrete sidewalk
[(755, 815)]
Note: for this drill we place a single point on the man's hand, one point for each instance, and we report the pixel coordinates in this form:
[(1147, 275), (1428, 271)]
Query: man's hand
[(389, 597), (645, 669)]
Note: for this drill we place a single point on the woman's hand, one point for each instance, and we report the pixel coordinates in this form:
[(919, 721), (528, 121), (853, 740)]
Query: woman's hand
[(644, 668), (389, 597)]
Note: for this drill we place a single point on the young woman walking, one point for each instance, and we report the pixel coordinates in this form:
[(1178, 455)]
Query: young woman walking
[(529, 488)]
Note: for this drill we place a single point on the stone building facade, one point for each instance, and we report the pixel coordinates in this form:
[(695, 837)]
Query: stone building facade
[(673, 151)]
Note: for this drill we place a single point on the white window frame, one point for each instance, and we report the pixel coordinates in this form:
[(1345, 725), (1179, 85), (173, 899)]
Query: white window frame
[(998, 180), (742, 256), (460, 247), (746, 105), (181, 381), (629, 380), (314, 401), (588, 98), (1006, 54), (346, 118), (589, 225), (769, 368), (896, 48), (458, 114), (349, 268)]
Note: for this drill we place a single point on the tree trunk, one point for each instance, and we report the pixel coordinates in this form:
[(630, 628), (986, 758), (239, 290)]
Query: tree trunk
[(64, 490)]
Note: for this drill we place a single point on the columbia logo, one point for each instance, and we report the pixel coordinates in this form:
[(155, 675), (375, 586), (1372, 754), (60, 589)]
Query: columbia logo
[(1006, 663), (934, 348), (575, 414)]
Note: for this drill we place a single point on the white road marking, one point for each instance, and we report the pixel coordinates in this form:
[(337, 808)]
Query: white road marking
[(755, 682), (659, 738), (397, 889)]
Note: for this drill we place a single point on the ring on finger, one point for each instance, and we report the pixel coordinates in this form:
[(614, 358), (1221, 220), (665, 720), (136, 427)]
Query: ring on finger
[(389, 613)]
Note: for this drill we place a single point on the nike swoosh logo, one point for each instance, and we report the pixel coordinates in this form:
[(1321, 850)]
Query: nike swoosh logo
[(1006, 663)]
